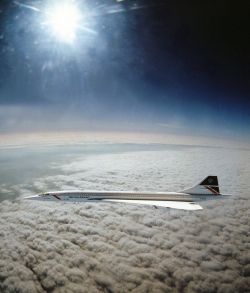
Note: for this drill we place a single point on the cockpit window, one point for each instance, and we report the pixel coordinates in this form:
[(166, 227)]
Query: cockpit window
[(43, 194)]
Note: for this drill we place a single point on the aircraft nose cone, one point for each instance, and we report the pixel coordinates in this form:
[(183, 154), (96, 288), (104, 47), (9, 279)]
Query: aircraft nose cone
[(34, 197)]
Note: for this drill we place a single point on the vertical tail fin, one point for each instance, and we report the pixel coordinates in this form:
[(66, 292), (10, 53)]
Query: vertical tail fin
[(208, 186)]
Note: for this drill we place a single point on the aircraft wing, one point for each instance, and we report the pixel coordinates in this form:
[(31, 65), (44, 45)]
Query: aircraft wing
[(191, 206)]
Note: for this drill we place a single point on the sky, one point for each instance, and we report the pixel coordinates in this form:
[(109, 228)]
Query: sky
[(148, 66)]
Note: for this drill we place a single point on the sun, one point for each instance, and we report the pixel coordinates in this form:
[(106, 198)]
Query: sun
[(63, 20)]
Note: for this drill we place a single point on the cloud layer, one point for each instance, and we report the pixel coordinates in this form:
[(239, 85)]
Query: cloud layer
[(120, 248), (52, 247)]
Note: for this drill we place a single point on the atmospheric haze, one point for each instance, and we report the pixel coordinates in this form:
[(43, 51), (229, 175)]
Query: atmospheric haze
[(101, 247)]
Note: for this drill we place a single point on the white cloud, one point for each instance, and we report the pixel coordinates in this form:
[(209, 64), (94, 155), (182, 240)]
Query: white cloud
[(65, 247), (119, 248)]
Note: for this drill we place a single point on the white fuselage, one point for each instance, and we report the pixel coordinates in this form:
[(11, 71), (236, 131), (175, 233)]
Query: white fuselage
[(79, 196)]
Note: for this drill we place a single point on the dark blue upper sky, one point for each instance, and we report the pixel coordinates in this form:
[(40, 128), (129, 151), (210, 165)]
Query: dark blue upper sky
[(147, 64)]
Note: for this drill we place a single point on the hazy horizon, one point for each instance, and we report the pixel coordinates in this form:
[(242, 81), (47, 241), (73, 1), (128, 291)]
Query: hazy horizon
[(143, 65)]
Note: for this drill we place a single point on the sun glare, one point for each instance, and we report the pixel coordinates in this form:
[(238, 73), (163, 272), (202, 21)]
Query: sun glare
[(63, 19)]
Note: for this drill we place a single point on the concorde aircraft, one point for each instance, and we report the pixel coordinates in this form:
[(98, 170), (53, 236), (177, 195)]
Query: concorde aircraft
[(186, 199)]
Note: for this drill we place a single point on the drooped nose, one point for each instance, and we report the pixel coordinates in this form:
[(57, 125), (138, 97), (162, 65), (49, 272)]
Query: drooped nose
[(33, 197)]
